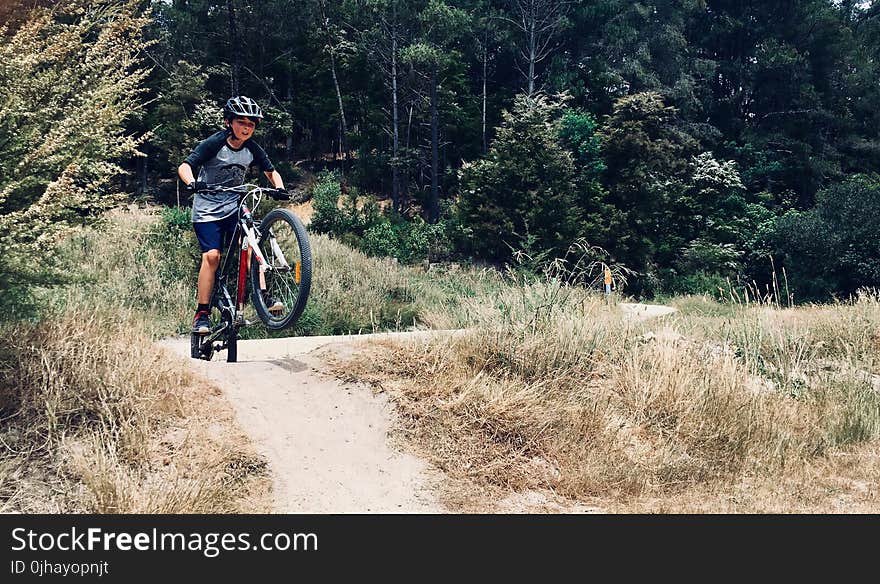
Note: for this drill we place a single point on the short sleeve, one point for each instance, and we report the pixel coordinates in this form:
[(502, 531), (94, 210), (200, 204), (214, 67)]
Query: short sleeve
[(206, 150), (261, 159)]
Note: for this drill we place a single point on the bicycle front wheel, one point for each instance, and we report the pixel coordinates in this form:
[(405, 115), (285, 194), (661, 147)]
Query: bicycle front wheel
[(280, 296)]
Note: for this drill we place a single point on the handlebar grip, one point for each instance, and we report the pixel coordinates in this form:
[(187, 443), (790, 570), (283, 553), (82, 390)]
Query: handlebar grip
[(197, 186), (279, 194)]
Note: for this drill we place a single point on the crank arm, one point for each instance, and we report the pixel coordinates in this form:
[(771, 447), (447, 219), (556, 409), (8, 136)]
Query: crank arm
[(214, 335)]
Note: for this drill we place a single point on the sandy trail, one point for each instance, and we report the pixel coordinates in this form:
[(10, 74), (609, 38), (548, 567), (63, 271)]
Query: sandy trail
[(326, 440)]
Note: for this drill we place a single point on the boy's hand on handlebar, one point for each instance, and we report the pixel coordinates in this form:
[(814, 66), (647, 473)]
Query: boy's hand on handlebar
[(280, 194), (197, 185)]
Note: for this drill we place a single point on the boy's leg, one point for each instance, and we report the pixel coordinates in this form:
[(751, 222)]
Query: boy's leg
[(210, 263), (273, 304), (210, 236)]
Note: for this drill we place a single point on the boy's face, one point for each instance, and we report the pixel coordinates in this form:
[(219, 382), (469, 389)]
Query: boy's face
[(242, 128)]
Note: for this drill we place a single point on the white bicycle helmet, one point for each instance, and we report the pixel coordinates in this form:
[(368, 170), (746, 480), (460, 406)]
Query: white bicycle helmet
[(241, 106)]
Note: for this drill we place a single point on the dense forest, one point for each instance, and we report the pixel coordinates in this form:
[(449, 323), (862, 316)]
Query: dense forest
[(701, 143)]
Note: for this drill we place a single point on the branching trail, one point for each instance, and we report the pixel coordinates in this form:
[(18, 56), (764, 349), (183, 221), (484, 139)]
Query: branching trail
[(324, 439)]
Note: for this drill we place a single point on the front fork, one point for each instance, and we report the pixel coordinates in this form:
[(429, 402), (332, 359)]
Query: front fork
[(244, 268)]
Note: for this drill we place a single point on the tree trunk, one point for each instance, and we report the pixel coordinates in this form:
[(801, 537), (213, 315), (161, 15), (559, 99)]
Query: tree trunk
[(146, 169), (233, 48), (409, 124), (435, 158), (343, 129), (325, 23), (532, 54), (485, 60), (289, 142), (395, 166)]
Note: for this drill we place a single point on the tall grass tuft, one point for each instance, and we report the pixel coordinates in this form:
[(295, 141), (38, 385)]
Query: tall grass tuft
[(553, 389), (87, 399)]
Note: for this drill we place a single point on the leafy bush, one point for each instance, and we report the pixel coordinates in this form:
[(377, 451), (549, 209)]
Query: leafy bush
[(382, 239), (578, 133), (341, 214), (524, 186), (647, 158), (358, 222), (700, 282), (325, 200), (834, 247)]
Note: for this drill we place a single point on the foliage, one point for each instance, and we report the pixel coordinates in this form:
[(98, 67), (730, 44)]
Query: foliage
[(782, 93), (836, 246), (180, 116), (359, 222), (408, 241), (338, 214), (785, 90), (646, 156), (525, 186), (72, 78), (578, 133)]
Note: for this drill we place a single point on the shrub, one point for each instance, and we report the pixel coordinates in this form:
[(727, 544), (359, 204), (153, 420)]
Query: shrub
[(524, 186), (382, 239), (78, 57), (340, 214), (835, 247)]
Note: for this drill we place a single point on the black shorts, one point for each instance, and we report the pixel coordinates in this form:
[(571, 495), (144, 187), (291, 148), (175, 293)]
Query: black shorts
[(215, 234)]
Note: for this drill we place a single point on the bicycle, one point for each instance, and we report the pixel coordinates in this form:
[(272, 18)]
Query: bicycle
[(276, 255)]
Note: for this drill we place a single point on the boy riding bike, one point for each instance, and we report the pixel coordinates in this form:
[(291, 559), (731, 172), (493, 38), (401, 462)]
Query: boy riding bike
[(223, 159)]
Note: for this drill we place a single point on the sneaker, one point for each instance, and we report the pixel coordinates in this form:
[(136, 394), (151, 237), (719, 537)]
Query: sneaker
[(201, 324), (273, 304)]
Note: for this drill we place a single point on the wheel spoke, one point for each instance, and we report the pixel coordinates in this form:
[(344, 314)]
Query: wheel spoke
[(288, 255)]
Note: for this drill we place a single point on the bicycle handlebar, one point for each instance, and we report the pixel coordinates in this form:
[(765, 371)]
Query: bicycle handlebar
[(247, 189)]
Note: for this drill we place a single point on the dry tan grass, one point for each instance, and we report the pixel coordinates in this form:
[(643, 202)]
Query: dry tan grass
[(96, 418), (760, 412), (353, 293), (103, 422)]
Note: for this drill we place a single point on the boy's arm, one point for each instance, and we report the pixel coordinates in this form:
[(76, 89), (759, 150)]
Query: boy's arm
[(206, 150), (274, 178), (263, 162), (184, 171)]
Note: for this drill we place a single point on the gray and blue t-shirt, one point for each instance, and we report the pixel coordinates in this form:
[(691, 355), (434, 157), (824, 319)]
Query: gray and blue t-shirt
[(221, 164)]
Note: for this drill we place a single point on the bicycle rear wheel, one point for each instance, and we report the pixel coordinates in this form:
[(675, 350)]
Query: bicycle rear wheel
[(199, 349), (232, 345), (288, 274)]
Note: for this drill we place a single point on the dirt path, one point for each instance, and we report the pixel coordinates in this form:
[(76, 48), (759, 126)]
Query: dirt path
[(645, 311), (326, 440)]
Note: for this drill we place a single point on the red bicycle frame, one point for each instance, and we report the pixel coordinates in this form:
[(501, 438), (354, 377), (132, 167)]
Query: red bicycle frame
[(244, 267), (242, 274)]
